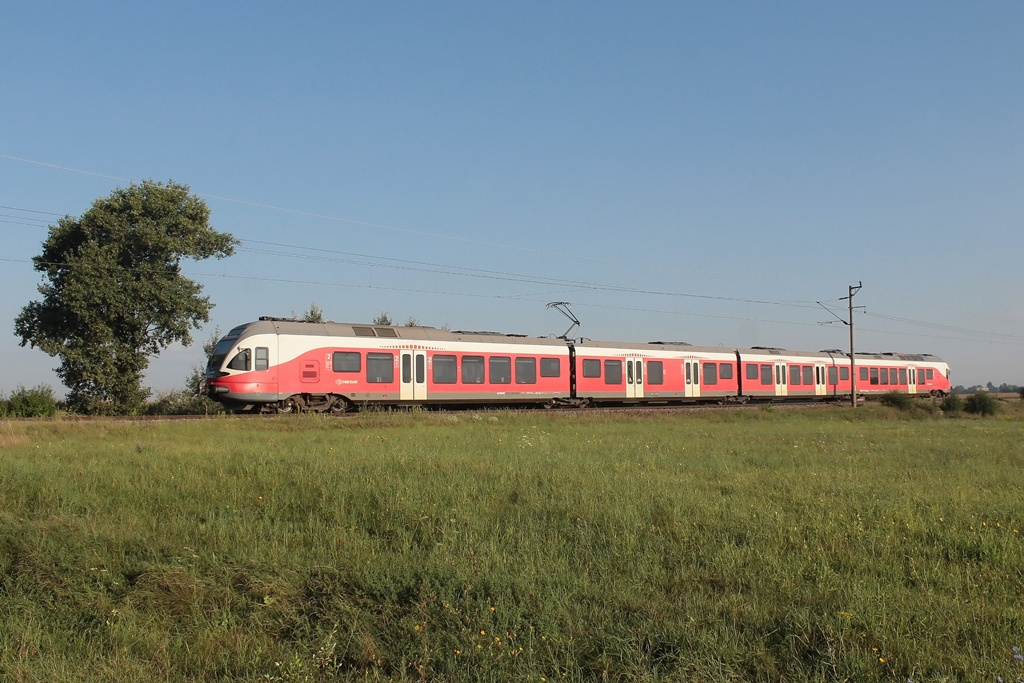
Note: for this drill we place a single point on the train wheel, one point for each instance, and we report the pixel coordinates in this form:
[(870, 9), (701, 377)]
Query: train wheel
[(339, 405)]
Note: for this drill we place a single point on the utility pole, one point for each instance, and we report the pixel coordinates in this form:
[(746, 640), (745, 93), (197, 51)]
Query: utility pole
[(853, 289), (853, 360)]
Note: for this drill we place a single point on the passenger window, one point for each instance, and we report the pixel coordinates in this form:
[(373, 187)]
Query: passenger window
[(844, 374), (833, 375), (884, 375), (766, 375), (613, 372), (501, 369), (591, 367), (710, 373), (380, 368), (526, 370), (874, 375), (655, 372), (550, 367), (864, 374), (262, 358), (346, 361), (794, 374), (444, 369), (931, 374), (808, 374), (472, 369), (725, 370), (752, 371)]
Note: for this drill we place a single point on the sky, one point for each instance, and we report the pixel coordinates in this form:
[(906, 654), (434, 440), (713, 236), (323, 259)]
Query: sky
[(712, 172)]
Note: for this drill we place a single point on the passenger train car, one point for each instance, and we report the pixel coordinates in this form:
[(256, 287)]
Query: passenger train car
[(283, 365)]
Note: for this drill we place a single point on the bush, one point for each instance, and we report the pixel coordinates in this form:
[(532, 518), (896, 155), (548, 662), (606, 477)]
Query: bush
[(981, 403), (3, 406), (35, 402), (952, 404), (895, 399)]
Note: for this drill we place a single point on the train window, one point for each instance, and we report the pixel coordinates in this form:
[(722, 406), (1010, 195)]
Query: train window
[(550, 367), (262, 358), (526, 370), (864, 374), (874, 375), (472, 369), (893, 376), (844, 374), (689, 378), (500, 369), (780, 375), (794, 374), (346, 361), (591, 367), (241, 361), (752, 371), (883, 374), (421, 368), (380, 368), (903, 375), (406, 368), (363, 331), (613, 371), (930, 374), (711, 373), (444, 369), (766, 375), (725, 370), (833, 375), (808, 374), (655, 372)]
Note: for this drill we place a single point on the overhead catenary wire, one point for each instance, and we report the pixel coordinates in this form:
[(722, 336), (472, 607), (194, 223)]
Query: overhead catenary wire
[(497, 276)]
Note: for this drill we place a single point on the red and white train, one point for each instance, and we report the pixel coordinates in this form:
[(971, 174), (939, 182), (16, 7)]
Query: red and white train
[(278, 365)]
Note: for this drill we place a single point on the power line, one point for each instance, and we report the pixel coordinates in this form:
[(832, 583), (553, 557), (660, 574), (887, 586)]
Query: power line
[(421, 233)]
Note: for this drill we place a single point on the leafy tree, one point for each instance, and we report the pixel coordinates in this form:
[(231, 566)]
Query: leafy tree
[(412, 322), (383, 319), (113, 293), (315, 314)]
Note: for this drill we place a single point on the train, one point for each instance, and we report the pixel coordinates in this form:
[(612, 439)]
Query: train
[(279, 365)]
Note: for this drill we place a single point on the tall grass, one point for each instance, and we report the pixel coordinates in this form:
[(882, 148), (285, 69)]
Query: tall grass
[(833, 545)]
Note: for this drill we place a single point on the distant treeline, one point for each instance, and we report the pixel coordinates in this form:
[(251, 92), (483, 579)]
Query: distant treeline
[(1001, 389)]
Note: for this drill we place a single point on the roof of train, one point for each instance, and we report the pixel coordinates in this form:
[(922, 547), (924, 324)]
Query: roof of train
[(290, 326)]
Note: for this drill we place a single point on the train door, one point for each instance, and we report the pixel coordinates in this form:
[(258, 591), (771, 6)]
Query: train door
[(911, 380), (820, 388), (634, 378), (781, 388), (692, 371), (414, 375)]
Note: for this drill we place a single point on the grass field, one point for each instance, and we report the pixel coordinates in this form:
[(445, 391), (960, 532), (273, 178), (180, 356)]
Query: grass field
[(824, 545)]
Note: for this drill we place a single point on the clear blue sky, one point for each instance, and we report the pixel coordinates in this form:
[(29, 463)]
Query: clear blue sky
[(679, 171)]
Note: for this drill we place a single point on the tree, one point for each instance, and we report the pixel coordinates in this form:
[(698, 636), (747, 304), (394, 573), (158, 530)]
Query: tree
[(113, 293), (315, 314), (383, 319)]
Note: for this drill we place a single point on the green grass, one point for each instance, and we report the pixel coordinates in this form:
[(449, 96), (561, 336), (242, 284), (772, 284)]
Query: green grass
[(797, 546)]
